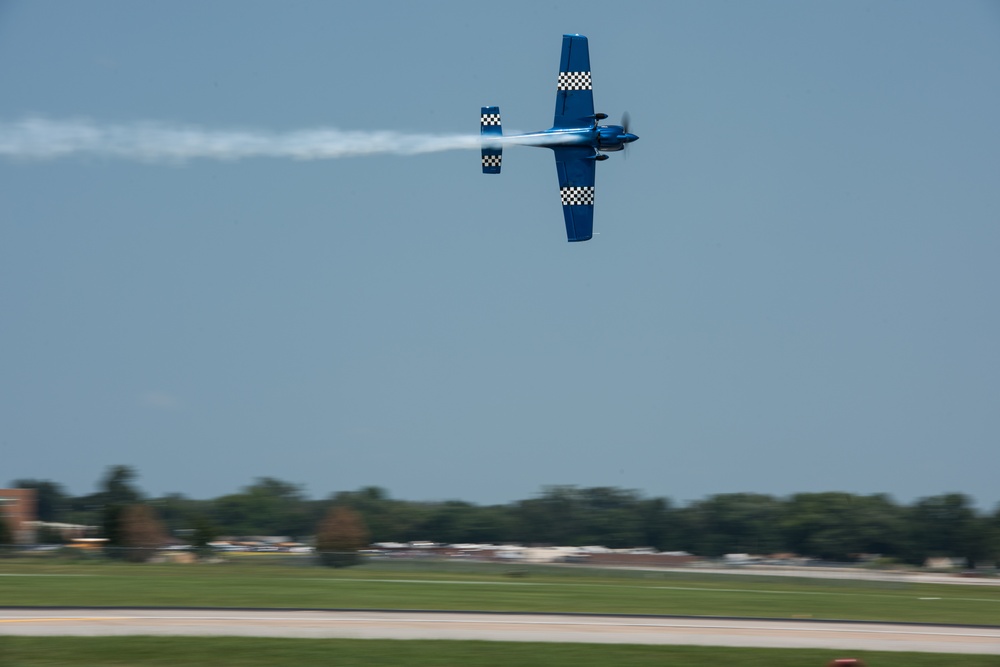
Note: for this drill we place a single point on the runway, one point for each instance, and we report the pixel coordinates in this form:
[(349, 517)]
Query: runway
[(502, 627)]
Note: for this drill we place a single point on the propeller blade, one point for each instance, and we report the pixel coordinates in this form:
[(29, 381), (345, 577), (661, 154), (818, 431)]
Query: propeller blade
[(626, 121)]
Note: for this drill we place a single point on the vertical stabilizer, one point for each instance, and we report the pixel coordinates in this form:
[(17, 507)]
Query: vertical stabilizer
[(489, 126)]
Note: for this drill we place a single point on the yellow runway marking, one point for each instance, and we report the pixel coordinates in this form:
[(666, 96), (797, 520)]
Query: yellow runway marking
[(75, 618)]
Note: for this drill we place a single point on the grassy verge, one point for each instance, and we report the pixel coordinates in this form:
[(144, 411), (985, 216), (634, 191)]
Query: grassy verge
[(489, 588), (251, 652)]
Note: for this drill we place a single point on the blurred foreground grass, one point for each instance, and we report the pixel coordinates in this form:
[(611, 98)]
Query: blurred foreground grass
[(287, 583), (253, 652)]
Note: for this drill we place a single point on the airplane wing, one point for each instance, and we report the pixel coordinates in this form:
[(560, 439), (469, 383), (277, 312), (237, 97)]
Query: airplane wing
[(574, 92), (576, 166)]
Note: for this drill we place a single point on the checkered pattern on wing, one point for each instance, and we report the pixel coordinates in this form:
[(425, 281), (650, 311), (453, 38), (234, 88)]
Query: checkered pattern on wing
[(577, 196), (574, 81), (491, 160), (489, 119)]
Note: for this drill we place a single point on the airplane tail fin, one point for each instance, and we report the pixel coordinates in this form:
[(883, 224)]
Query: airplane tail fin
[(489, 126)]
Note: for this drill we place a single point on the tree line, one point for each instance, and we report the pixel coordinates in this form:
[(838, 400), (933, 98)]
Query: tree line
[(833, 526)]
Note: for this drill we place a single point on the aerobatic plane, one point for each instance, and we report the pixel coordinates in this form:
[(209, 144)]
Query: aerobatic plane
[(577, 140)]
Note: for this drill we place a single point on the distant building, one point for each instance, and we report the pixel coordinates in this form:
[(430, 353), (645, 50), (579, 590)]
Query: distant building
[(945, 563), (65, 531), (18, 507)]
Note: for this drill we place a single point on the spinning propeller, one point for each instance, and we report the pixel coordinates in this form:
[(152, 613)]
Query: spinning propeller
[(626, 121)]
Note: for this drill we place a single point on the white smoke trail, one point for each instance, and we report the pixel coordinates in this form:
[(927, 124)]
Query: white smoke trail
[(41, 139)]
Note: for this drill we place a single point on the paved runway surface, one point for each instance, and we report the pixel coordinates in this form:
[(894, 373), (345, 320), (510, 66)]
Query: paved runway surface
[(501, 627)]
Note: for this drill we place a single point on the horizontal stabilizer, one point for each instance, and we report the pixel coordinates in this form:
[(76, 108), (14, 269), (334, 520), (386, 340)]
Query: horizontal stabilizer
[(489, 126)]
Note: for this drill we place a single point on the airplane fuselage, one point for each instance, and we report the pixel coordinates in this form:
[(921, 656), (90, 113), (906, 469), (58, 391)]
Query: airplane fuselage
[(604, 138)]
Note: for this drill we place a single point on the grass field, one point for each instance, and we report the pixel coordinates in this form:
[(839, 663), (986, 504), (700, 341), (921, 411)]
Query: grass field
[(472, 586), (252, 652)]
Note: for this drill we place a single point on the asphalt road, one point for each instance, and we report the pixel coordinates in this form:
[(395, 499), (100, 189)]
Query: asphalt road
[(502, 627)]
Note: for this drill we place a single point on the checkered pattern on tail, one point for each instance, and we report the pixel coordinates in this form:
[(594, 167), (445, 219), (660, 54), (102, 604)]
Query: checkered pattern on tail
[(492, 132), (574, 81), (577, 196)]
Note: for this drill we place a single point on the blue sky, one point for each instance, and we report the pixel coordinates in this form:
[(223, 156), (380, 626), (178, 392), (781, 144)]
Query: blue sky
[(794, 286)]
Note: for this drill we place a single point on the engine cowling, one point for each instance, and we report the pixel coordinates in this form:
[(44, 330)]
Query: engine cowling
[(611, 137)]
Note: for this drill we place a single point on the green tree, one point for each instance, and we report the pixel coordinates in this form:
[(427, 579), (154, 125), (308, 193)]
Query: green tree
[(880, 526), (118, 488), (659, 525), (6, 534), (269, 506), (947, 525), (842, 526), (491, 524), (993, 544), (388, 520), (572, 516), (178, 512), (823, 525), (609, 516), (554, 517), (446, 522), (734, 523), (204, 533), (117, 493), (85, 510), (340, 536)]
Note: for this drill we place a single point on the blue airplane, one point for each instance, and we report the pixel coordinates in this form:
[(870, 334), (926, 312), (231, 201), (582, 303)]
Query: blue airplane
[(577, 140)]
